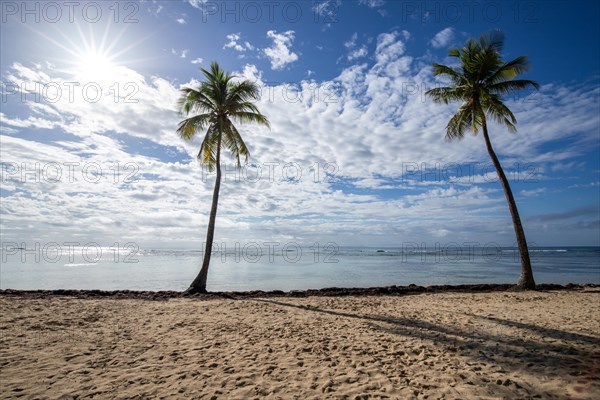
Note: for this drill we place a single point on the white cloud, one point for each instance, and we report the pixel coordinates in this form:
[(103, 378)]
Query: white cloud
[(328, 9), (366, 123), (251, 73), (388, 47), (279, 53), (5, 130), (353, 52), (197, 3), (198, 60), (181, 54), (533, 192), (439, 233), (233, 43), (352, 42), (181, 21), (80, 112), (586, 185), (155, 10), (358, 53), (443, 38), (372, 3), (376, 4), (233, 37)]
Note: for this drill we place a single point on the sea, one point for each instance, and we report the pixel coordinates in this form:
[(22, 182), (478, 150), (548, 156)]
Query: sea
[(288, 267)]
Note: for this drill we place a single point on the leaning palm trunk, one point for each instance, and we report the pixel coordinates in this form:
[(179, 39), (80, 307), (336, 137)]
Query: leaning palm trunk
[(479, 83), (526, 279), (215, 104), (199, 283)]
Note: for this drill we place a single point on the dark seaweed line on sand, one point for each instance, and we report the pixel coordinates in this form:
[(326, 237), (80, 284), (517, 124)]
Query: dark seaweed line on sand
[(333, 291)]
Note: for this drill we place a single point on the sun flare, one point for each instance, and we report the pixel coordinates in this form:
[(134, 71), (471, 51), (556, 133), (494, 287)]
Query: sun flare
[(95, 53)]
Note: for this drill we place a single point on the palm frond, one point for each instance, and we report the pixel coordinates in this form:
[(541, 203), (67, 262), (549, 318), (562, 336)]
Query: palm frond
[(454, 52), (510, 70), (234, 142), (208, 149), (440, 69), (446, 94), (477, 118), (192, 100), (245, 106), (243, 92), (256, 117), (487, 61), (500, 113), (458, 124), (508, 87), (493, 39), (188, 128)]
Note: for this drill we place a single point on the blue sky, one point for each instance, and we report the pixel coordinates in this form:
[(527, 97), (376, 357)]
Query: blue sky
[(356, 153)]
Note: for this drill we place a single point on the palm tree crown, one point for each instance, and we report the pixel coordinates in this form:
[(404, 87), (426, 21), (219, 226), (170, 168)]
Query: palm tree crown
[(479, 84), (216, 104)]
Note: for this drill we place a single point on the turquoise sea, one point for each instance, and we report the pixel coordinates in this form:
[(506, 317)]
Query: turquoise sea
[(288, 267)]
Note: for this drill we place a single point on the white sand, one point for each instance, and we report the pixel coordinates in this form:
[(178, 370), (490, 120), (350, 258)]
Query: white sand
[(436, 346)]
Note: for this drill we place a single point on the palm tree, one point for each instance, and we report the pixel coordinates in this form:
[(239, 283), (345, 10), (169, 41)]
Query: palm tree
[(479, 83), (215, 105)]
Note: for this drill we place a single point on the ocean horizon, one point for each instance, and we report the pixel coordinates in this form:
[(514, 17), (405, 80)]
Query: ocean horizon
[(256, 266)]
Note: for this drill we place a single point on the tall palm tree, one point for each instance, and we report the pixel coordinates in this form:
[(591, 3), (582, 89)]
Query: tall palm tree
[(215, 105), (478, 83)]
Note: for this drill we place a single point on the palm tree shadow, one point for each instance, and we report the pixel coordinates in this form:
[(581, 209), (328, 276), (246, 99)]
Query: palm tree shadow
[(541, 331), (528, 347)]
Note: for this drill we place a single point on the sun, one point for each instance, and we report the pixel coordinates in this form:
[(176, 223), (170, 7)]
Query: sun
[(95, 65), (94, 62)]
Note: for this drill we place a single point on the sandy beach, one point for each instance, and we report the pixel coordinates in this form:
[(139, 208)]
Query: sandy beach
[(500, 345)]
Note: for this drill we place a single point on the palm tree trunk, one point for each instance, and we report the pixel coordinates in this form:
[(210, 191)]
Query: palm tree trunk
[(199, 283), (526, 279)]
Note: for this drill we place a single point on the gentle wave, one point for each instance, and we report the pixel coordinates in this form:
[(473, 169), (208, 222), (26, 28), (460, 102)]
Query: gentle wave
[(79, 265)]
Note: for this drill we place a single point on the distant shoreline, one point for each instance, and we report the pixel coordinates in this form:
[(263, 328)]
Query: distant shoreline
[(325, 292)]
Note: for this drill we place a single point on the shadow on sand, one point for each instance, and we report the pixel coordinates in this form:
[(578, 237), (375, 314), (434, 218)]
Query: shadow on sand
[(528, 347)]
